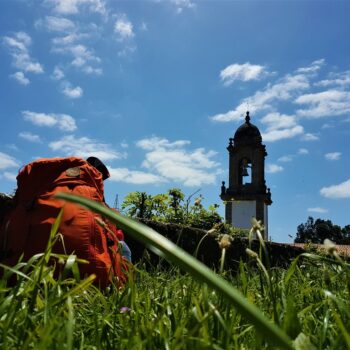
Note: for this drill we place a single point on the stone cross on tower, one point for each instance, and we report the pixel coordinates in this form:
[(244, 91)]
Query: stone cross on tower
[(246, 195)]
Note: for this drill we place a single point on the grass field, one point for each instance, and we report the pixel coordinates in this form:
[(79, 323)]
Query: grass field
[(303, 307), (170, 310)]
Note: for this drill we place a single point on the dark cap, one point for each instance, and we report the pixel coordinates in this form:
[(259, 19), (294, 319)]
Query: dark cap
[(98, 164)]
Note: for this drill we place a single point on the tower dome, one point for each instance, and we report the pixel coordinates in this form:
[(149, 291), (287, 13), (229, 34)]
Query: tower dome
[(247, 134)]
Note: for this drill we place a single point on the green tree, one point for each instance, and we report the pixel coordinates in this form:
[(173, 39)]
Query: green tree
[(160, 205), (305, 232), (171, 207), (176, 212), (346, 234), (316, 231), (203, 218), (138, 204)]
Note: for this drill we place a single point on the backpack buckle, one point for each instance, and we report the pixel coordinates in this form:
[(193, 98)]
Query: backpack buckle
[(73, 172)]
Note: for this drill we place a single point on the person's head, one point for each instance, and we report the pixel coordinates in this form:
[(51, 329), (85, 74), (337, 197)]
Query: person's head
[(98, 164)]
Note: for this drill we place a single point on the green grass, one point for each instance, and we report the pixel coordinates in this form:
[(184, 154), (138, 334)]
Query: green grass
[(308, 304), (170, 310)]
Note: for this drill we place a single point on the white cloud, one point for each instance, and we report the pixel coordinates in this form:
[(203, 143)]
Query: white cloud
[(338, 79), (282, 90), (310, 137), (40, 119), (273, 168), (58, 73), (183, 4), (56, 24), (327, 126), (10, 176), (285, 159), (30, 137), (123, 28), (243, 72), (278, 121), (83, 57), (66, 122), (127, 50), (324, 104), (65, 41), (7, 161), (75, 6), (63, 121), (235, 115), (170, 160), (337, 191), (70, 91), (124, 32), (134, 177), (84, 147), (91, 70), (313, 67), (333, 156), (291, 88), (317, 210), (285, 89), (154, 143), (21, 78), (280, 126), (12, 147), (279, 134), (19, 41), (290, 157), (18, 46)]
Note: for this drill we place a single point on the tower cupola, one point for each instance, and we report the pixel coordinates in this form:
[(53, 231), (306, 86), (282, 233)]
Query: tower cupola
[(247, 134)]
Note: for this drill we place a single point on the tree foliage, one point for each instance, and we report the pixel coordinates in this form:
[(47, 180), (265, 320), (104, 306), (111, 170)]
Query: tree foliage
[(171, 207), (316, 231)]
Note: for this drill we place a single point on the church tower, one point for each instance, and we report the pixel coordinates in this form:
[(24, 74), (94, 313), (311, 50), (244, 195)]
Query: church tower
[(246, 195)]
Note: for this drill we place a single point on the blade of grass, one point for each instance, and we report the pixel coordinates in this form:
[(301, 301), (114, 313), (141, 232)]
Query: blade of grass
[(70, 323), (272, 333), (15, 271)]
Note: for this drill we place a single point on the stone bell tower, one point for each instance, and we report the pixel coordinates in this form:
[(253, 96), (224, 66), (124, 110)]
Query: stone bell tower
[(246, 195)]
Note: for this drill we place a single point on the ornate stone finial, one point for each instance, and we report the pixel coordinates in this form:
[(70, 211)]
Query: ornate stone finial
[(247, 118), (223, 188), (268, 194)]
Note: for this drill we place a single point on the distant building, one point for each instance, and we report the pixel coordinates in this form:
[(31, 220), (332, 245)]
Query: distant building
[(246, 195)]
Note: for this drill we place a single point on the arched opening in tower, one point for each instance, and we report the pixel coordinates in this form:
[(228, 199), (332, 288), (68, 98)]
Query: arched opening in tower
[(246, 171)]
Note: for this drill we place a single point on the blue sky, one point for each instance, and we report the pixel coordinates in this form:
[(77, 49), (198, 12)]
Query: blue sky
[(156, 88)]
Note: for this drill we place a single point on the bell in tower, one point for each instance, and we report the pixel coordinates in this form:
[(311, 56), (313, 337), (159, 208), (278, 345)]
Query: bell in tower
[(246, 195)]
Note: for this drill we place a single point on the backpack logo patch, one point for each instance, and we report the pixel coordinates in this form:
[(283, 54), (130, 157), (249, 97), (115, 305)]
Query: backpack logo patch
[(73, 172)]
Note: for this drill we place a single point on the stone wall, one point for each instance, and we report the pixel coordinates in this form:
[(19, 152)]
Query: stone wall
[(209, 252)]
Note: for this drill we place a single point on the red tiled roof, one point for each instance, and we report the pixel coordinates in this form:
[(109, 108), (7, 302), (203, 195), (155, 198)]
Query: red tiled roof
[(342, 249)]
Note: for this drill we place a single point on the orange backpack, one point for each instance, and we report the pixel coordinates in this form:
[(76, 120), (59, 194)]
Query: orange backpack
[(27, 227)]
